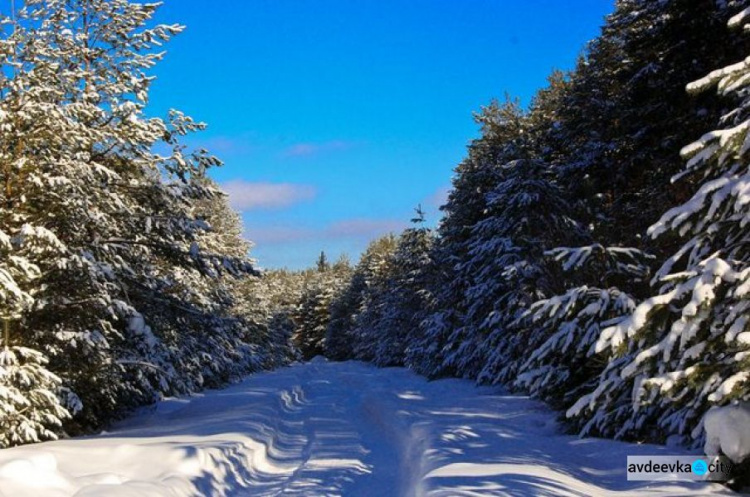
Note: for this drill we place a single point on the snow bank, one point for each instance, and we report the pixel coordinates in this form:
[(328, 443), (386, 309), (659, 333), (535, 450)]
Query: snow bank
[(328, 428), (728, 430)]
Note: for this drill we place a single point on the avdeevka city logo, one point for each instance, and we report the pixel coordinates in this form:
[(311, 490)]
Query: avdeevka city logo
[(711, 468), (699, 467)]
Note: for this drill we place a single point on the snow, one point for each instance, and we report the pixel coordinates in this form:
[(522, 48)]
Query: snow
[(727, 429), (727, 386), (739, 18), (717, 76), (325, 428)]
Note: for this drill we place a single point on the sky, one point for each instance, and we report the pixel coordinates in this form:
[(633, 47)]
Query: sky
[(336, 118)]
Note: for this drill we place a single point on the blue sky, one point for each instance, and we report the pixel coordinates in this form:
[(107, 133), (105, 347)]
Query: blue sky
[(335, 118)]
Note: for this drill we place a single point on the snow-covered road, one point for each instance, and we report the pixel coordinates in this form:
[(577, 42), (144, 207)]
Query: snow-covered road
[(336, 429)]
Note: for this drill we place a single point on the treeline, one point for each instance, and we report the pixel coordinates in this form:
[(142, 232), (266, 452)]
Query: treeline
[(121, 263), (594, 250)]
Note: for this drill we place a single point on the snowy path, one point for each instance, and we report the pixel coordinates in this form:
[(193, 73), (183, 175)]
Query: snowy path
[(335, 429)]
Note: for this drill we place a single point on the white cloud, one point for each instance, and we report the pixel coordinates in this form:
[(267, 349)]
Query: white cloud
[(308, 149), (245, 195)]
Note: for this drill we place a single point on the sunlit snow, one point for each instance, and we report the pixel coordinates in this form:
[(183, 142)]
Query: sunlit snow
[(326, 428)]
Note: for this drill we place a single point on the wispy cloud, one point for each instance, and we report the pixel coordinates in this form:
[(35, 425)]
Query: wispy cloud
[(310, 149), (363, 228), (225, 145), (274, 235), (438, 198), (245, 195), (351, 229)]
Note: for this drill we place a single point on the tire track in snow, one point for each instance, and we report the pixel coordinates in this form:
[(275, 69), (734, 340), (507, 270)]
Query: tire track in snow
[(335, 429)]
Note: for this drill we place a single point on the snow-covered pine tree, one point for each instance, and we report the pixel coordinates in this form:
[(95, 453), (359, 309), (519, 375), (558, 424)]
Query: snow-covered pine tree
[(688, 347), (284, 290), (268, 303), (313, 314), (114, 313), (404, 296), (614, 142), (243, 338), (529, 214), (223, 238), (30, 410), (354, 337), (560, 331), (444, 329), (344, 309), (59, 188)]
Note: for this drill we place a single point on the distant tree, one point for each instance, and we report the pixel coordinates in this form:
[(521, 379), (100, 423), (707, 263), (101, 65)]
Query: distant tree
[(313, 314), (404, 298), (356, 306), (268, 303), (322, 264)]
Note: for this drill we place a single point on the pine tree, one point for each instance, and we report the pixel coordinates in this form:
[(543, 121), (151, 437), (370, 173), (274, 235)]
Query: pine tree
[(268, 303), (322, 264), (443, 329), (686, 348), (357, 306), (344, 309), (529, 215), (615, 142), (118, 312), (244, 341), (30, 410), (313, 314), (404, 295), (561, 331)]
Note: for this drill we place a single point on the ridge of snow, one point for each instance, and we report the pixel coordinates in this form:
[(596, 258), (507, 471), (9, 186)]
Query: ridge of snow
[(327, 428)]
